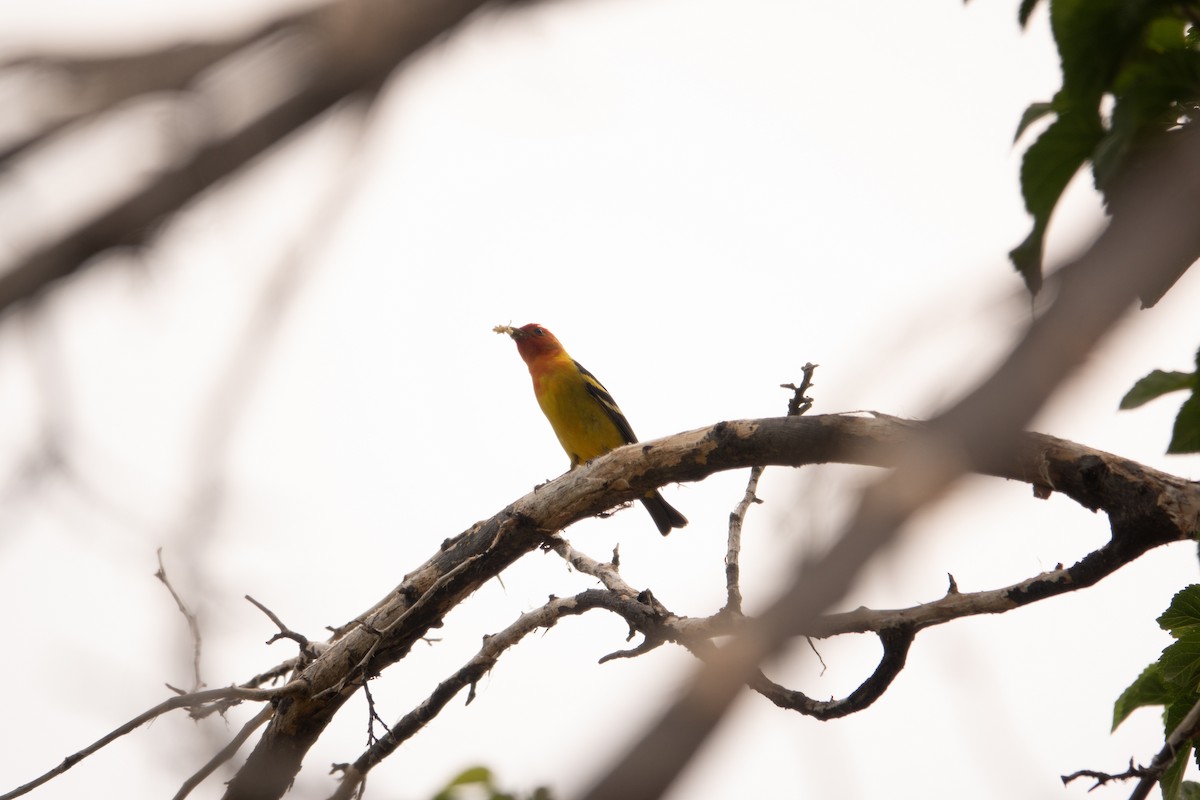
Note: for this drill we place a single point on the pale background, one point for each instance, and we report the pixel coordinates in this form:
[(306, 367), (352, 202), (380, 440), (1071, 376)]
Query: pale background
[(698, 198)]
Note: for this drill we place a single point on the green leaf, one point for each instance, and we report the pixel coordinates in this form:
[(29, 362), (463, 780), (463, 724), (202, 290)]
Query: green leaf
[(481, 776), (1032, 114), (1055, 156), (1027, 258), (472, 775), (1165, 33), (1093, 38), (1148, 689), (1185, 438), (1182, 616), (1147, 93), (1189, 790), (1174, 714), (1181, 664), (1142, 54), (1024, 12), (1172, 779), (1155, 385), (1048, 166)]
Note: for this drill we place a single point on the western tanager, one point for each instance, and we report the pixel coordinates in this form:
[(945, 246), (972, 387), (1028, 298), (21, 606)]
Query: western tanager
[(583, 414)]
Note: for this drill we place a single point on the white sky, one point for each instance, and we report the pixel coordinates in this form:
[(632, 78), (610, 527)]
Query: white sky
[(698, 198)]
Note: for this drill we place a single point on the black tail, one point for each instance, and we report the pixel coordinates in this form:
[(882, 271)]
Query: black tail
[(663, 514)]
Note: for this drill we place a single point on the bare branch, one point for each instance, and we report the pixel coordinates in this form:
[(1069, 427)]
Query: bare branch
[(797, 405), (607, 574), (274, 674), (308, 649), (192, 622), (733, 550), (372, 715), (227, 752), (1149, 508), (896, 643), (470, 673), (800, 404), (1089, 570), (1101, 778)]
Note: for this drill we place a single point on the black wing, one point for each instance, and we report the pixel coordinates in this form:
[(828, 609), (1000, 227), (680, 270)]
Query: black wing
[(596, 389)]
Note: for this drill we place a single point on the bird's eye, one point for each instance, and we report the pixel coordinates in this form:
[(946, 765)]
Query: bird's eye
[(539, 331)]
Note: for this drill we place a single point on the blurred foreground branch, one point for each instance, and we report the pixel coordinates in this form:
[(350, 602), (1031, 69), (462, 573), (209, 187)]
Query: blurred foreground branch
[(277, 78)]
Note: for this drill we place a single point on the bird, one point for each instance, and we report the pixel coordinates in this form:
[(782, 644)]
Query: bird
[(584, 416)]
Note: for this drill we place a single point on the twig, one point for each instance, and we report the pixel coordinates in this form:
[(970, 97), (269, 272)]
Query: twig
[(308, 649), (478, 666), (236, 693), (896, 644), (896, 634), (1089, 570), (797, 405), (648, 643), (733, 550), (1101, 778), (192, 622), (225, 753), (372, 715), (606, 573), (274, 674), (1185, 731), (813, 646)]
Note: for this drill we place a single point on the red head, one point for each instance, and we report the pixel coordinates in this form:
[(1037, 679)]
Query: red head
[(534, 341)]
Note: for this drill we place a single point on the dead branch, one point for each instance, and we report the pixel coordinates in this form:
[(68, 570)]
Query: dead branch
[(896, 642), (1147, 508), (1150, 507)]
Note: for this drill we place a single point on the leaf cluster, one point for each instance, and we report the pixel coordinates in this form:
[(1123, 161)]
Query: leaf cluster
[(1130, 73), (1185, 437), (1173, 682)]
